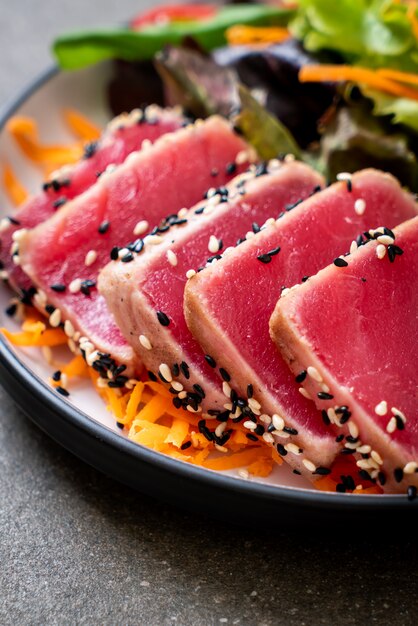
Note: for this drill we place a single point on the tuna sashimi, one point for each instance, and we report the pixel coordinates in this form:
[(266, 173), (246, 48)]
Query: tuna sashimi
[(140, 293), (228, 306), (355, 328), (64, 255), (122, 136)]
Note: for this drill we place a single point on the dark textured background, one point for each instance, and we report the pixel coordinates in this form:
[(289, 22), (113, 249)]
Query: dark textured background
[(77, 548)]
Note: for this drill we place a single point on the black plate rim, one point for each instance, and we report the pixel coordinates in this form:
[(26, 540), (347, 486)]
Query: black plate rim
[(250, 490)]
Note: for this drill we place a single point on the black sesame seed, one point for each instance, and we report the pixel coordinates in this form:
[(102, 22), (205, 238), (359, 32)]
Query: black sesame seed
[(399, 422), (250, 391), (199, 390), (175, 369), (225, 376), (339, 438), (114, 253), (364, 474), (290, 431), (199, 211), (59, 202), (152, 377), (185, 445), (281, 449), (322, 471), (340, 488), (264, 258), (297, 472), (251, 437), (340, 262), (11, 310), (49, 309), (398, 474), (325, 418), (58, 287), (62, 391), (210, 360), (162, 318), (289, 207), (301, 376), (214, 172), (411, 492), (56, 376), (13, 220), (231, 168), (104, 227), (349, 185), (177, 403), (345, 417), (382, 478), (185, 369), (90, 149), (305, 278), (323, 395), (127, 258), (274, 251), (260, 430), (389, 232)]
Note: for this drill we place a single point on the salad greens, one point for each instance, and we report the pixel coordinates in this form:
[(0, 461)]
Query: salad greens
[(78, 50)]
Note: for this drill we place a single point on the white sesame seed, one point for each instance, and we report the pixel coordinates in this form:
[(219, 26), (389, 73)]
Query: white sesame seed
[(152, 240), (353, 247), (182, 395), (145, 342), (325, 388), (313, 373), (343, 176), (146, 144), (172, 258), (398, 413), (213, 245), (19, 234), (141, 228), (363, 464), (391, 425), (376, 457), (242, 157), (55, 318), (165, 372), (281, 434), (123, 252), (16, 259), (4, 274), (47, 354), (64, 380), (190, 274), (380, 251), (69, 328), (278, 422), (177, 386), (226, 389), (249, 235), (249, 425), (311, 467), (219, 430), (284, 291), (76, 336), (5, 224), (386, 240), (72, 345), (293, 449), (92, 357), (410, 468), (91, 257), (268, 437), (332, 416), (266, 419), (353, 430), (381, 408), (192, 410), (220, 448), (243, 473), (75, 285), (365, 449), (305, 393), (360, 206), (289, 158), (254, 404), (182, 212), (352, 446), (228, 406)]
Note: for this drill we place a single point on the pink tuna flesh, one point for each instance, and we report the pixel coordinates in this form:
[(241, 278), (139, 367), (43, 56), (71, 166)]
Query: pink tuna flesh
[(228, 306), (149, 185), (155, 281), (123, 135), (357, 327)]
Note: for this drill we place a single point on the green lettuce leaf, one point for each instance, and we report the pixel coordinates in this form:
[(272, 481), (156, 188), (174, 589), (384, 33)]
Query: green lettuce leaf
[(404, 111)]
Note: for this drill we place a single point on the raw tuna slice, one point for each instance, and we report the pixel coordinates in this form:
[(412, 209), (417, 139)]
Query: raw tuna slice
[(64, 255), (155, 281), (228, 306), (356, 329), (123, 135)]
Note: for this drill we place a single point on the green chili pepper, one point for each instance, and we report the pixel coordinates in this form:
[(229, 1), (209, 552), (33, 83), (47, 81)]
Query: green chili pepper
[(79, 50)]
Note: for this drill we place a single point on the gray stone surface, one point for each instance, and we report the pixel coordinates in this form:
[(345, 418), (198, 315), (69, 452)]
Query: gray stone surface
[(77, 548)]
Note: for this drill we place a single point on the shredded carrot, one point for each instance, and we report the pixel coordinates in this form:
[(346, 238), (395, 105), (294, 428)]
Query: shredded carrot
[(362, 75), (402, 77), (178, 432), (262, 467), (81, 126), (412, 16), (239, 459), (241, 35), (49, 338), (25, 132), (13, 187), (76, 367), (151, 435)]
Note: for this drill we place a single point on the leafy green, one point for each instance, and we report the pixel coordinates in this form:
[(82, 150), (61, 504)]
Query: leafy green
[(79, 50), (404, 111), (355, 139), (203, 87), (374, 33)]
